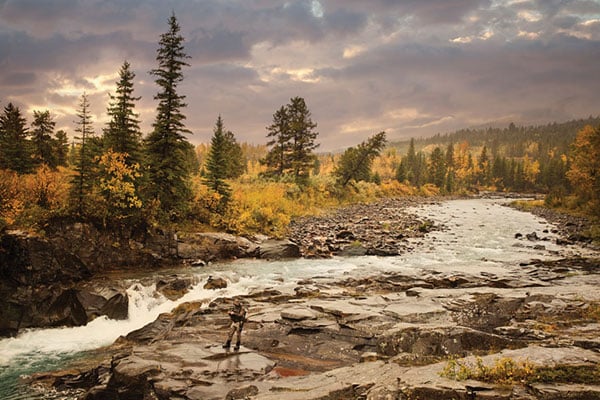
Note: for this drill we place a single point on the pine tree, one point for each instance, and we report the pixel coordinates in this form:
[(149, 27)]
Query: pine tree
[(437, 168), (166, 147), (355, 162), (15, 153), (303, 136), (123, 134), (83, 181), (216, 165), (293, 141), (42, 129), (236, 160), (277, 159), (61, 148)]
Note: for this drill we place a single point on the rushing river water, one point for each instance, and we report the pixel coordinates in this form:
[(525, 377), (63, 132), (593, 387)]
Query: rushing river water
[(477, 232)]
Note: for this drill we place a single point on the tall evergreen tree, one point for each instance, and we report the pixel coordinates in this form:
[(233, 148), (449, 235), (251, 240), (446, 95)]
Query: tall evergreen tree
[(83, 181), (216, 162), (277, 159), (123, 134), (15, 152), (292, 141), (303, 136), (236, 160), (355, 162), (437, 168), (42, 129), (61, 148), (166, 146)]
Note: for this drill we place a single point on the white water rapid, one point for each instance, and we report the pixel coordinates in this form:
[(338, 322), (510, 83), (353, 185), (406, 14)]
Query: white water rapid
[(478, 232)]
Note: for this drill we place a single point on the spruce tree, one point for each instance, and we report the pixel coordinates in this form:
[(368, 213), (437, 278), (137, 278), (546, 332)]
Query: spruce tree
[(277, 159), (15, 151), (216, 165), (85, 167), (292, 141), (61, 148), (303, 134), (236, 160), (166, 146), (123, 134), (42, 129), (437, 168)]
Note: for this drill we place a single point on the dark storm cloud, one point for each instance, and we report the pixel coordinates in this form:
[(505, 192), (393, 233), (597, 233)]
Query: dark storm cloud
[(412, 67), (17, 79)]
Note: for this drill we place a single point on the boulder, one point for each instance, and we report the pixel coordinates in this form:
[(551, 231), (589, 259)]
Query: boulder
[(174, 287), (117, 307), (210, 246), (277, 249), (66, 310), (215, 283)]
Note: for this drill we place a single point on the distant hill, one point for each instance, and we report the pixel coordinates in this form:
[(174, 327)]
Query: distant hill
[(512, 141)]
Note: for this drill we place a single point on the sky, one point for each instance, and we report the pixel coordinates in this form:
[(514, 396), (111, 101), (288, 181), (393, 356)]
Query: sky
[(412, 68)]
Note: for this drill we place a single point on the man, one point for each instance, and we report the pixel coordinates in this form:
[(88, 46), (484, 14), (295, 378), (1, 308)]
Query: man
[(238, 317)]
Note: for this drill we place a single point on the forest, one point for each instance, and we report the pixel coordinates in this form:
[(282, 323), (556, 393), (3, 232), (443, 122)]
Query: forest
[(118, 177)]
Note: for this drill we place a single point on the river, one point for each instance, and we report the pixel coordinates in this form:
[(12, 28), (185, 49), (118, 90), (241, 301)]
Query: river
[(476, 232)]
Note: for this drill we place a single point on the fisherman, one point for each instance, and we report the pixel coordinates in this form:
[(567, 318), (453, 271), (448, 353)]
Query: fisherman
[(238, 317)]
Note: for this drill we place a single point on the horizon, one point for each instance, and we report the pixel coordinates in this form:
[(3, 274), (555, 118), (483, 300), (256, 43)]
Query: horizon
[(412, 69)]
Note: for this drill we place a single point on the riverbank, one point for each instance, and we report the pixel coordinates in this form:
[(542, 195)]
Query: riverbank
[(382, 228), (387, 330)]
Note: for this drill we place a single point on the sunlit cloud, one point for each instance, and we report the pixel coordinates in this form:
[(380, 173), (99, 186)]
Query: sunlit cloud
[(353, 51), (528, 35), (529, 16)]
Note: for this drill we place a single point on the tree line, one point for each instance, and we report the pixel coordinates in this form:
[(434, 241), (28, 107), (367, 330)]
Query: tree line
[(120, 176)]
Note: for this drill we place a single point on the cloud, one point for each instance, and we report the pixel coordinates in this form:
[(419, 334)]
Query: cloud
[(415, 67)]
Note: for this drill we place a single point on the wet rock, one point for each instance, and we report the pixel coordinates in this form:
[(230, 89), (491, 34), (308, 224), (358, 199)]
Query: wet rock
[(215, 283), (67, 310), (175, 287), (278, 249), (532, 236), (210, 246), (91, 302), (156, 330), (117, 307)]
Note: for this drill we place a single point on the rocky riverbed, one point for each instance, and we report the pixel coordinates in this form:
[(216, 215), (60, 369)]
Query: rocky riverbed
[(379, 337), (382, 228), (422, 333)]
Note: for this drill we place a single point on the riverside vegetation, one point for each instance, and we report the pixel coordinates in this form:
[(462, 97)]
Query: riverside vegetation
[(116, 199), (127, 182)]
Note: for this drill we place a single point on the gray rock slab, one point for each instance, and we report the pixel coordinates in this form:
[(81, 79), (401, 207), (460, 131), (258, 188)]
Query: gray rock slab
[(298, 314), (415, 311)]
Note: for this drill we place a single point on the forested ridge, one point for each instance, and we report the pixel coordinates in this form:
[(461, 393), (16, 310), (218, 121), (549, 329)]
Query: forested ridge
[(117, 176)]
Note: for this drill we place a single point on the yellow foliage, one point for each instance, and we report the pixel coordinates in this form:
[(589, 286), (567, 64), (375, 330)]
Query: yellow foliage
[(117, 182), (583, 173), (504, 371), (11, 203), (47, 188), (531, 169)]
